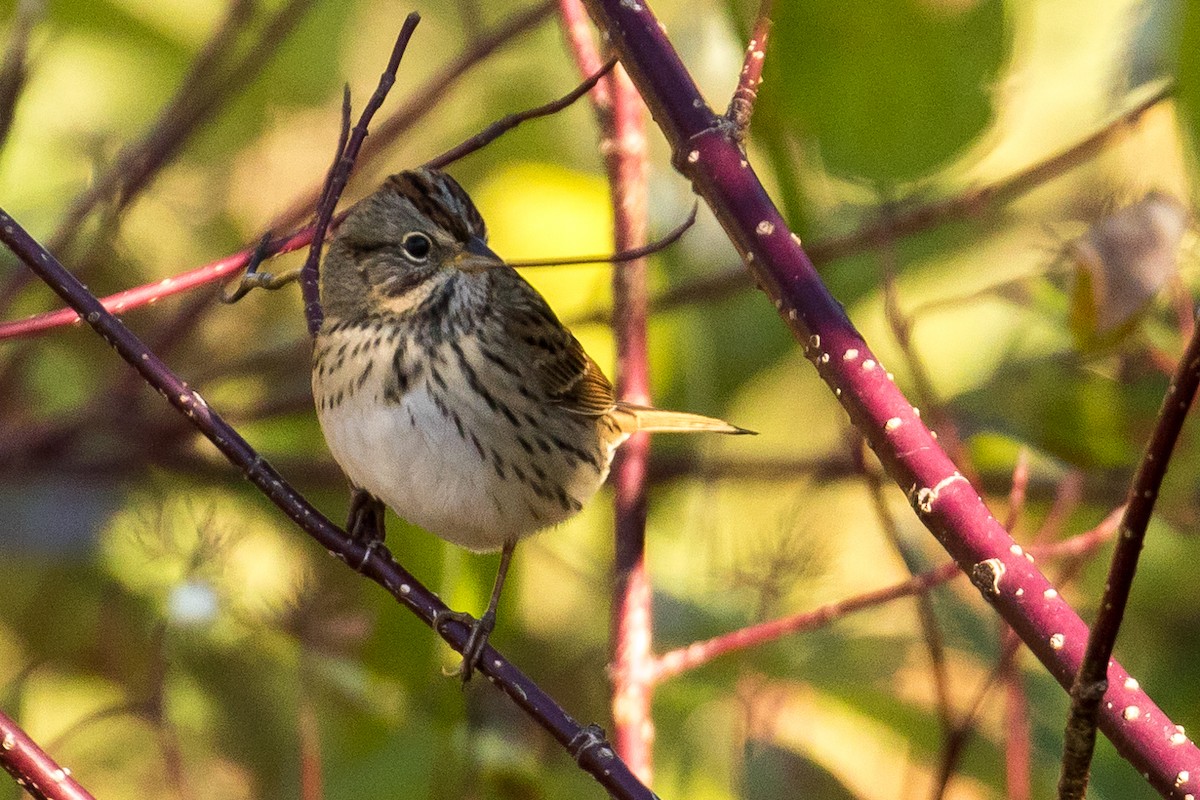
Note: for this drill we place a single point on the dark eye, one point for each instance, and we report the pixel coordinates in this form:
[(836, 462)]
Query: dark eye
[(417, 246)]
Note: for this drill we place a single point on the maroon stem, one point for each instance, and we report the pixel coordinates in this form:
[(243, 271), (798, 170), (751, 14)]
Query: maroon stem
[(621, 118), (1090, 683), (376, 563), (707, 153), (35, 771)]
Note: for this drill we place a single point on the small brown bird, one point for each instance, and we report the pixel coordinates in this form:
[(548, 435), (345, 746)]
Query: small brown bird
[(448, 390)]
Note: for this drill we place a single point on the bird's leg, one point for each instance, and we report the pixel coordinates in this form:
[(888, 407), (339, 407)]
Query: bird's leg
[(481, 629), (253, 279), (365, 522)]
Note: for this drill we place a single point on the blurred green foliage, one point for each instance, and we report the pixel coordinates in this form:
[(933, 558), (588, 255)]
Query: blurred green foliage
[(169, 635)]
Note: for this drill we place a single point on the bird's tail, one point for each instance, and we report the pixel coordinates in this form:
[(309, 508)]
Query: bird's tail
[(633, 418)]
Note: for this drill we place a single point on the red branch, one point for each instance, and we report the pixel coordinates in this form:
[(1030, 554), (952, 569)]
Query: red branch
[(34, 770), (621, 118), (706, 151)]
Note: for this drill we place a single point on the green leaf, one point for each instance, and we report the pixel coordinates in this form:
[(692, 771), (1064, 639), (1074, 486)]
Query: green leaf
[(888, 91)]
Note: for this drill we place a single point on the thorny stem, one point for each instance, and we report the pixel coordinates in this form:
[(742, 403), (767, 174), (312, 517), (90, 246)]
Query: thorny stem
[(1090, 684), (621, 119), (376, 563), (706, 152), (35, 771)]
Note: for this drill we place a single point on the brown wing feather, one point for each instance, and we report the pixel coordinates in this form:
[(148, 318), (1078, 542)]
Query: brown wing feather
[(563, 373)]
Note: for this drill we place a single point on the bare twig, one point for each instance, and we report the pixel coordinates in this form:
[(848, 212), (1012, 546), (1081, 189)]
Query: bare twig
[(339, 173), (35, 771), (956, 741), (697, 654), (622, 257), (931, 631), (222, 268), (1018, 749), (933, 408), (428, 96), (700, 653), (1094, 674), (506, 124), (1018, 491)]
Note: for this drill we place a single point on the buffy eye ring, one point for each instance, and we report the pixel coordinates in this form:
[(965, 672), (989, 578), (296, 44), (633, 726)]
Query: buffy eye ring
[(416, 246)]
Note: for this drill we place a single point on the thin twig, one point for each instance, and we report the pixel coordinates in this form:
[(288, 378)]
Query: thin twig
[(622, 257), (339, 173), (1019, 490), (35, 771), (376, 563), (956, 741), (419, 103), (1072, 561), (222, 268), (506, 124), (1018, 748), (1091, 682)]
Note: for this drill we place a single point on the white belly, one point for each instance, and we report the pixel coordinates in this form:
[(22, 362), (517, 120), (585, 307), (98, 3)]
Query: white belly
[(462, 486)]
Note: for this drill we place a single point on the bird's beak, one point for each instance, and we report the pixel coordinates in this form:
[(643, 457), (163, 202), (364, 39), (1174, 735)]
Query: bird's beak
[(477, 257)]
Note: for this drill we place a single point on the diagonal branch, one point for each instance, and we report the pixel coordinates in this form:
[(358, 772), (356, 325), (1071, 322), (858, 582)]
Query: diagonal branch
[(34, 770), (583, 743), (707, 153)]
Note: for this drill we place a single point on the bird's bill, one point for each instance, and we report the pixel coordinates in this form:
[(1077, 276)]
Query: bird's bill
[(477, 257)]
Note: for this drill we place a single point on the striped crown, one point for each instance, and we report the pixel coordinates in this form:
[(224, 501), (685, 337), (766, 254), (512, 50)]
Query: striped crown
[(439, 198)]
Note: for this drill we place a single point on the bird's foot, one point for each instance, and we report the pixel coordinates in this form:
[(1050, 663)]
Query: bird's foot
[(365, 522), (481, 629)]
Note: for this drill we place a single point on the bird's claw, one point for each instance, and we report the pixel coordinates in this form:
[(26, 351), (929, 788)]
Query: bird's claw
[(481, 629)]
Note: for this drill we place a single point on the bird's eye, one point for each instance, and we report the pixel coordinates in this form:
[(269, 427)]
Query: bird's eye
[(416, 246)]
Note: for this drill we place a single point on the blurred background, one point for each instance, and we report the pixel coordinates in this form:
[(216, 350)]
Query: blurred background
[(166, 632)]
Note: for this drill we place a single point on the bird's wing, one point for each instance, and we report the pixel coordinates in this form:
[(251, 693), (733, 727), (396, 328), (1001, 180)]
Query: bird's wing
[(562, 373)]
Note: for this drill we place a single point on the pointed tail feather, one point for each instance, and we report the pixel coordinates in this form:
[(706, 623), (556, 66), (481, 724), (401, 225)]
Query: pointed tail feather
[(654, 420)]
